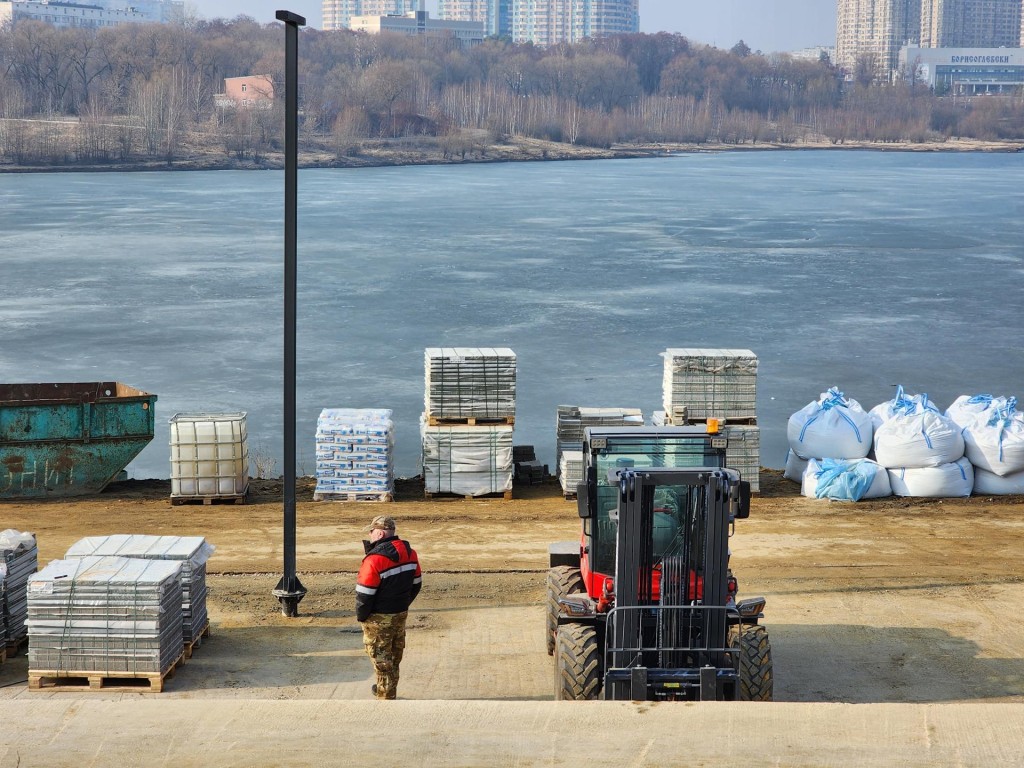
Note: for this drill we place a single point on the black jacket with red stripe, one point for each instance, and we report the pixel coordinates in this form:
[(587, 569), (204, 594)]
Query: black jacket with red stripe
[(389, 578)]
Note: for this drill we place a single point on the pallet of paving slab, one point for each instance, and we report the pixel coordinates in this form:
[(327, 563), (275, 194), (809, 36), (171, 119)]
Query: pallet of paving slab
[(65, 680)]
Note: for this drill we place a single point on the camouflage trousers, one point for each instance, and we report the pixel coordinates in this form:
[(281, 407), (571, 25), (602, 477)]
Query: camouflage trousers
[(384, 641)]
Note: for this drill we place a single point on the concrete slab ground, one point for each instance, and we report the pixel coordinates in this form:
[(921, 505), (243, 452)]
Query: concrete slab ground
[(452, 734)]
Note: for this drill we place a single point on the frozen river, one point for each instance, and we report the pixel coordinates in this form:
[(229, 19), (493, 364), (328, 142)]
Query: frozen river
[(862, 270)]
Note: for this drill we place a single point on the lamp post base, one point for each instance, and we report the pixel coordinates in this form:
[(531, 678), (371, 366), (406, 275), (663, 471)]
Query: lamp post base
[(290, 592)]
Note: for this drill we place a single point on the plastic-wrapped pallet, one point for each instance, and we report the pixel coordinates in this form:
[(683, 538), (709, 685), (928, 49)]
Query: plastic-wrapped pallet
[(106, 615), (709, 383), (464, 383), (191, 551), (354, 455), (571, 420), (19, 553), (467, 460), (570, 471)]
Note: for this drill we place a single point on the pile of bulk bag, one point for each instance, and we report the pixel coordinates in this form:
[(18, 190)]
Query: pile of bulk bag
[(834, 427), (845, 480)]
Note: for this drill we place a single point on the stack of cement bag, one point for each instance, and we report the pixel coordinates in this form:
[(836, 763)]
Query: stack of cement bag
[(993, 432), (468, 420), (105, 614), (467, 460), (20, 556), (191, 552), (904, 446), (354, 454)]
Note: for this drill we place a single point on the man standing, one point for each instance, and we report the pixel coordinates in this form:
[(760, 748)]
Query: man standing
[(389, 580)]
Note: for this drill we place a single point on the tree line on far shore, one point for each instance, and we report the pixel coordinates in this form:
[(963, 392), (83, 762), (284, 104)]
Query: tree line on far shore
[(137, 92)]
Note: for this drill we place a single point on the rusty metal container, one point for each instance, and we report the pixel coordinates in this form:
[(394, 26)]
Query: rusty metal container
[(69, 439)]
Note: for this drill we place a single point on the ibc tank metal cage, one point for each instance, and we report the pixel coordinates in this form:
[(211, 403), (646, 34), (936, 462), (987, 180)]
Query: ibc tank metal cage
[(209, 456)]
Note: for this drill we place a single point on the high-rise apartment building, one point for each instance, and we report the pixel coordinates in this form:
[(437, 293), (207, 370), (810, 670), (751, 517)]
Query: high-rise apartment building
[(495, 15), (549, 22), (873, 31), (970, 23), (337, 14)]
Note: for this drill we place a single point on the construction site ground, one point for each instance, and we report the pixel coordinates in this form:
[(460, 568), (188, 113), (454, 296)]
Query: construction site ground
[(893, 623)]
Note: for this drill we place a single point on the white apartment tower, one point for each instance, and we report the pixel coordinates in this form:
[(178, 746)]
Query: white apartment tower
[(970, 23), (875, 30), (337, 14), (549, 22)]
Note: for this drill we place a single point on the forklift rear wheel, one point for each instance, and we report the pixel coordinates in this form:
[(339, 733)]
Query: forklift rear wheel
[(562, 580)]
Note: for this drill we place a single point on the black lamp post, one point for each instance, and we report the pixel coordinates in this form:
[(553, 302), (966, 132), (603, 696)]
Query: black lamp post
[(289, 589)]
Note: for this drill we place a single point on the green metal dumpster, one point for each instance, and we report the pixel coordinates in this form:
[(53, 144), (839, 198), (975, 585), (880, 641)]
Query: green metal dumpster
[(69, 439)]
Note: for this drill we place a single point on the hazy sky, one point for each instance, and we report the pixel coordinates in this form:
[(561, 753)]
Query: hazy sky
[(765, 25)]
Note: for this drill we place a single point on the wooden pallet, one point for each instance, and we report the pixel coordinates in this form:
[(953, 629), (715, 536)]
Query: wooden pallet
[(345, 496), (506, 495), (197, 641), (676, 420), (207, 500), (64, 680), (471, 421)]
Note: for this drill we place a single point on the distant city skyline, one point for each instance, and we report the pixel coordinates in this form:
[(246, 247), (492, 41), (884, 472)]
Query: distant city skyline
[(764, 25)]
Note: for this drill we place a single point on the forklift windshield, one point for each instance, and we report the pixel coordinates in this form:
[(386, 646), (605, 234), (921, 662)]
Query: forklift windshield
[(682, 451)]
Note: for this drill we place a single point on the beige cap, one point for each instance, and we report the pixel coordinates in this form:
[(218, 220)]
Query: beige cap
[(382, 522)]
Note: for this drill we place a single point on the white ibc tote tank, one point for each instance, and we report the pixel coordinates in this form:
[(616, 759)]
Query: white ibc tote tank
[(209, 454)]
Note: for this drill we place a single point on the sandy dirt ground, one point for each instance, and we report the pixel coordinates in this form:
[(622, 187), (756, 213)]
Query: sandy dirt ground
[(887, 602)]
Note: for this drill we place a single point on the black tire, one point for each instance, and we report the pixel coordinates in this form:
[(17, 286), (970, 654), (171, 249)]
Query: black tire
[(755, 662), (578, 672), (562, 580)]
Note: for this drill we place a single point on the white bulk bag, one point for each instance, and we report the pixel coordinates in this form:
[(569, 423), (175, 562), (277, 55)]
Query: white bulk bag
[(902, 404), (832, 426), (845, 480), (923, 439), (968, 409), (986, 482), (998, 444), (795, 467), (942, 482)]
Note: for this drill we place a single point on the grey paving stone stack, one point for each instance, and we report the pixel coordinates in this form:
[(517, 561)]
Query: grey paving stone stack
[(111, 615), (192, 552), (571, 420), (708, 383), (470, 383), (20, 555), (716, 383), (570, 471)]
